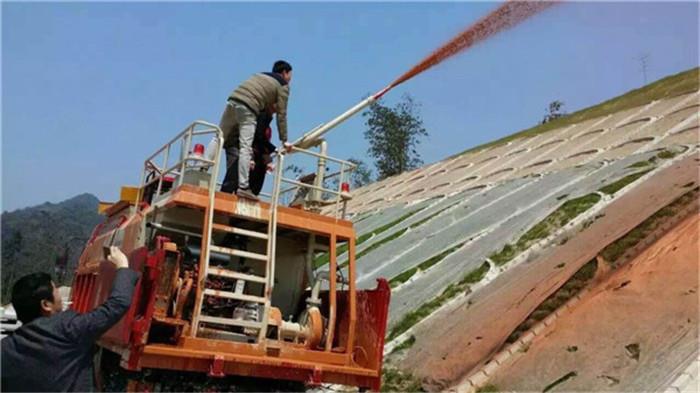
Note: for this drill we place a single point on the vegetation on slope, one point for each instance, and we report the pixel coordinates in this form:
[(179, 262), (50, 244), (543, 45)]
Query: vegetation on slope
[(404, 276), (394, 380), (649, 164), (429, 307), (557, 219), (567, 291), (615, 250), (324, 258), (670, 86)]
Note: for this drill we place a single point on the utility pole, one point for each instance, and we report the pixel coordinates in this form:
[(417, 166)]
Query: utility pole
[(644, 64)]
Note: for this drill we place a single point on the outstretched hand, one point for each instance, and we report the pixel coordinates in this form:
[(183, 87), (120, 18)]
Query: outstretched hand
[(117, 257)]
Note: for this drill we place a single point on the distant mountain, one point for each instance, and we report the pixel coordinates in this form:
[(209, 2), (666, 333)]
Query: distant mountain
[(46, 238)]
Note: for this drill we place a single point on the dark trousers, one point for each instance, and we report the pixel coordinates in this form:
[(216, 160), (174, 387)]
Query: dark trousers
[(256, 176)]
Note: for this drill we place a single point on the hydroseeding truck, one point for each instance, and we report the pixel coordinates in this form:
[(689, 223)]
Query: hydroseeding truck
[(228, 285)]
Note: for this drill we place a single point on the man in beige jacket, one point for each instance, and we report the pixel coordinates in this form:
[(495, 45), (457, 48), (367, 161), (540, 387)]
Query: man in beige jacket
[(267, 91)]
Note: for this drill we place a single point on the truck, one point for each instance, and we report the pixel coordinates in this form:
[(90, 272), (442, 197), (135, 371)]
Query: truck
[(228, 286)]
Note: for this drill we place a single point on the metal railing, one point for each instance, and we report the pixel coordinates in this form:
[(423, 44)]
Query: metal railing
[(153, 172), (343, 174)]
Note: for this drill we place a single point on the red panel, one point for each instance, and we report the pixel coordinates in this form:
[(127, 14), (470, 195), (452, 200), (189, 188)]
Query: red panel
[(372, 314), (119, 334)]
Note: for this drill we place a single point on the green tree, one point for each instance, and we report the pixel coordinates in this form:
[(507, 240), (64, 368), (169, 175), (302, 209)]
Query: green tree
[(393, 135), (362, 175), (554, 111)]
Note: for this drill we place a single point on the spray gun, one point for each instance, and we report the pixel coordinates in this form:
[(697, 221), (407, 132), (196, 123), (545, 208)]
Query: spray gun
[(313, 137)]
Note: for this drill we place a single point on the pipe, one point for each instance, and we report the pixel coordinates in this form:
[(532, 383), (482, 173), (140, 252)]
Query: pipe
[(311, 137), (316, 195)]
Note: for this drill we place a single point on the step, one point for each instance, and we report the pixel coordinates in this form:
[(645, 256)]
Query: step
[(239, 231), (239, 253), (217, 271), (233, 295), (230, 322)]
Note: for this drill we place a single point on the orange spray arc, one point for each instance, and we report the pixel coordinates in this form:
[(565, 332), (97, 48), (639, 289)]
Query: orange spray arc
[(507, 15), (502, 18)]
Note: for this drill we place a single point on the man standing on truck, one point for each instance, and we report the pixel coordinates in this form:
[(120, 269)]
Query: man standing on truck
[(53, 349), (257, 94), (262, 151)]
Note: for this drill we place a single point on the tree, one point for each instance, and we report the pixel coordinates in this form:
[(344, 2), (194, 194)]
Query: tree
[(393, 135), (362, 175), (554, 111)]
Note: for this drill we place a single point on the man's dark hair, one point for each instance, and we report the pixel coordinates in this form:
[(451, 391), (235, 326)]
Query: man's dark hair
[(281, 66), (27, 294)]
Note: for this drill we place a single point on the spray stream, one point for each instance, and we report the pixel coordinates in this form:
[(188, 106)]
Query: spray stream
[(502, 18), (507, 15)]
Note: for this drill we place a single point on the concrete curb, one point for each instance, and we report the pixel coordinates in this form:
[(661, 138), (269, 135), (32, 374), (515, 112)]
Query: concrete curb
[(687, 381)]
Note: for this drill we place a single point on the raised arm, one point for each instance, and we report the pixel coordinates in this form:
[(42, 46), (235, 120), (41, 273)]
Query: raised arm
[(281, 106), (89, 326)]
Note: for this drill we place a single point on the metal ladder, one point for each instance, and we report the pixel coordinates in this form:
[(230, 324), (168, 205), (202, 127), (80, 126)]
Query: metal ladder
[(205, 270)]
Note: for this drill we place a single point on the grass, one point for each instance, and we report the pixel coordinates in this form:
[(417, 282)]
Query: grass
[(667, 154), (379, 243), (640, 164), (396, 234), (325, 257), (670, 86), (490, 388), (437, 213), (651, 162), (425, 265), (430, 306), (612, 252), (570, 288), (385, 227), (614, 187), (394, 380), (405, 344), (557, 219)]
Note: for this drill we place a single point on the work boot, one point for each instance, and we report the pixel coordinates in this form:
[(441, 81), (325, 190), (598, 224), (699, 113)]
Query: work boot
[(246, 193)]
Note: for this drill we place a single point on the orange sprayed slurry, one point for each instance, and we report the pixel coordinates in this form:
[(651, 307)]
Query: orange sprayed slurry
[(502, 18)]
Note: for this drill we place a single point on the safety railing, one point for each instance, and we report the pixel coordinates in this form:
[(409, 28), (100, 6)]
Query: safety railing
[(318, 191), (158, 167)]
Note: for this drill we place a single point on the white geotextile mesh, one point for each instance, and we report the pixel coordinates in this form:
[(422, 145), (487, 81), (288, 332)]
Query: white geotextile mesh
[(501, 214)]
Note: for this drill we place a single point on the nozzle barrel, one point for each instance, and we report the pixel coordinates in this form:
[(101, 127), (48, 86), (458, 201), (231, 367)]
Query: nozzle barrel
[(313, 137)]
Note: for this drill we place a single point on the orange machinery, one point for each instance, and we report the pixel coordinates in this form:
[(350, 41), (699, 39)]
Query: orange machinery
[(229, 286)]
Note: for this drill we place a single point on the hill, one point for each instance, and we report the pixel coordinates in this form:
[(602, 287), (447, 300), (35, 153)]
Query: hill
[(46, 237)]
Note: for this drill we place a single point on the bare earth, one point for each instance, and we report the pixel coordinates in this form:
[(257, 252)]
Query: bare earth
[(633, 332), (479, 329)]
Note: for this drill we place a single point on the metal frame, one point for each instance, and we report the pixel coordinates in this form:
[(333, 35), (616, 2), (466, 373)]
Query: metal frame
[(346, 168), (197, 128), (184, 138)]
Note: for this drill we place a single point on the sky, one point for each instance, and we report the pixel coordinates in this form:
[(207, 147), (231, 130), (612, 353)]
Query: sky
[(89, 90)]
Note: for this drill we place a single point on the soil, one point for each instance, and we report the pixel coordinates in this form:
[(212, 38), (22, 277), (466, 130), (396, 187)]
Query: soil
[(635, 331), (468, 332)]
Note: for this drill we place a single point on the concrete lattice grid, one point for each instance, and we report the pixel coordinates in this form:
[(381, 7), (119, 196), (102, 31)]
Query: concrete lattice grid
[(498, 202), (607, 137), (475, 203)]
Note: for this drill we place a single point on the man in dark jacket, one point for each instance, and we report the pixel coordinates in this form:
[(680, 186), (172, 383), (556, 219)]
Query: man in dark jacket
[(238, 122), (262, 151), (53, 349)]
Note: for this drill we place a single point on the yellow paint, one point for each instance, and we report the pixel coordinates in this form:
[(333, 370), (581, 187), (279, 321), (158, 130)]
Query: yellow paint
[(129, 194), (104, 206)]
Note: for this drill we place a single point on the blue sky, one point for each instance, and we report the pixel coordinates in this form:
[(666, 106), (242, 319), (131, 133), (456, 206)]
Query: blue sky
[(90, 89)]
